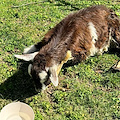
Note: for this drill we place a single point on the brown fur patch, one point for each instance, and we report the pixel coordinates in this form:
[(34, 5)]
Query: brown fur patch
[(73, 34)]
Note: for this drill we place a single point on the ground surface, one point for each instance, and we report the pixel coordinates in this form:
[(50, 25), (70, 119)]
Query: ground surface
[(87, 91)]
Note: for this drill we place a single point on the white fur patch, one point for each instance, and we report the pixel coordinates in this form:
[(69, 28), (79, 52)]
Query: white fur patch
[(93, 32), (29, 49), (44, 86), (54, 76), (104, 49), (93, 50), (42, 76), (47, 68), (94, 37), (110, 34)]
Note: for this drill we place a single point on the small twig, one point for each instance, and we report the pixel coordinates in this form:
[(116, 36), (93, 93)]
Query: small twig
[(28, 4)]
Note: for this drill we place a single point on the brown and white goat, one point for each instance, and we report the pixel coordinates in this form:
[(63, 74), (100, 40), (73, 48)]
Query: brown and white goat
[(78, 36)]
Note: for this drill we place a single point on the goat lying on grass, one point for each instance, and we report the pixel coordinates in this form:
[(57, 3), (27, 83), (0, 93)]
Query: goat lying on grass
[(78, 36)]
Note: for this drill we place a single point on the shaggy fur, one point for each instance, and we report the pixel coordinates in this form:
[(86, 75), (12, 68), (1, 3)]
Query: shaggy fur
[(83, 33)]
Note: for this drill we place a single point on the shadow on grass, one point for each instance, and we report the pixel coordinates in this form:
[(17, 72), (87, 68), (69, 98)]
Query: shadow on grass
[(115, 51), (19, 86), (66, 3)]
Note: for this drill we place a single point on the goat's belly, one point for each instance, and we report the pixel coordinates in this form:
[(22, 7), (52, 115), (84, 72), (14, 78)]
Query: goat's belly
[(85, 54)]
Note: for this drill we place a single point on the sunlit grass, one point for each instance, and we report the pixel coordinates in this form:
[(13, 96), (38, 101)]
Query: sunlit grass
[(88, 91)]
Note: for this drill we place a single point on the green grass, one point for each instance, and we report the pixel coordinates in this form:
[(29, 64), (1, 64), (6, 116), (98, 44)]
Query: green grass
[(87, 91)]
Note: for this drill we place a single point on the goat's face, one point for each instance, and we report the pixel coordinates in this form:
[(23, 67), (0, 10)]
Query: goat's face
[(40, 77), (41, 73), (39, 70)]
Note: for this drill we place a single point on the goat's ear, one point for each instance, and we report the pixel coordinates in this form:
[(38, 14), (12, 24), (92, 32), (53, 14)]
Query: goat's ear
[(29, 69), (27, 57), (53, 76)]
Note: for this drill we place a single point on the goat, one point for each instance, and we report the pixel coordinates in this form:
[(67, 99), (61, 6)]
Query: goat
[(78, 36)]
